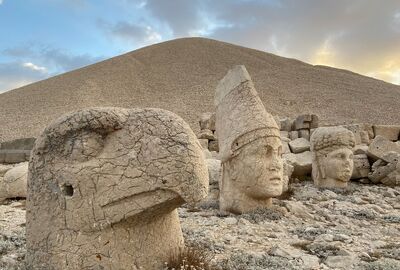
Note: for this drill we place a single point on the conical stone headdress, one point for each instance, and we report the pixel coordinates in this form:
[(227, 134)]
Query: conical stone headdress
[(241, 117)]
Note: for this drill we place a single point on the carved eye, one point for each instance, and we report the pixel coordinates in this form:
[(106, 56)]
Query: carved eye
[(85, 146)]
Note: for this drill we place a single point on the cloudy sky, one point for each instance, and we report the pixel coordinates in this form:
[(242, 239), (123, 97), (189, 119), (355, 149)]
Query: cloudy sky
[(42, 38)]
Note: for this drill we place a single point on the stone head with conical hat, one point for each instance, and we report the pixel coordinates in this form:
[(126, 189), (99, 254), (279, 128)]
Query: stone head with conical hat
[(249, 143)]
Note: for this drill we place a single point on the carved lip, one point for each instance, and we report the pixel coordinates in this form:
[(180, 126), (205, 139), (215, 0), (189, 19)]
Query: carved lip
[(275, 180)]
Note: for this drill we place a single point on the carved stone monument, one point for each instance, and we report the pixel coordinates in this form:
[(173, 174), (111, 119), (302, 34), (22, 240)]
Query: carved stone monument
[(249, 143), (332, 156), (103, 188)]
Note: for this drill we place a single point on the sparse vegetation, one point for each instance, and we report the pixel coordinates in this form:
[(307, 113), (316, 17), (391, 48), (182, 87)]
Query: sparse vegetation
[(190, 258)]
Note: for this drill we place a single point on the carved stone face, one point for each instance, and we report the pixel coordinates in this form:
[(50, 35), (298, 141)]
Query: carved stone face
[(257, 169), (337, 165)]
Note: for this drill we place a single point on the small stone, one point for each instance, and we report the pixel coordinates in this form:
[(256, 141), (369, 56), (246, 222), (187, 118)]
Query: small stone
[(230, 220), (341, 262), (213, 146)]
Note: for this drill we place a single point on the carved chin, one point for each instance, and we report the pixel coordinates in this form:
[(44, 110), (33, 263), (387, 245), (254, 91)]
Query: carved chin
[(269, 191), (344, 177)]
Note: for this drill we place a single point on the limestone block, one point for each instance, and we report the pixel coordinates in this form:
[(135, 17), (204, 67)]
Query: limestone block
[(304, 133), (356, 129), (302, 122), (287, 174), (361, 167), (206, 134), (286, 124), (207, 121), (4, 168), (390, 132), (284, 134), (364, 136), (312, 131), (14, 183), (301, 163), (299, 145), (360, 149), (386, 171), (314, 121), (214, 170), (293, 135), (8, 156), (213, 146), (380, 146), (103, 188), (18, 144), (285, 148)]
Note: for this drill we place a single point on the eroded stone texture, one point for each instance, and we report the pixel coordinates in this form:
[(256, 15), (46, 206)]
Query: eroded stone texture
[(386, 170), (361, 167), (13, 184), (249, 144), (332, 155), (103, 189)]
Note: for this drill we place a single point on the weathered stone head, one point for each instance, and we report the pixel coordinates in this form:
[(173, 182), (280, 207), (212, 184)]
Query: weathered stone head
[(332, 155), (103, 188), (249, 143)]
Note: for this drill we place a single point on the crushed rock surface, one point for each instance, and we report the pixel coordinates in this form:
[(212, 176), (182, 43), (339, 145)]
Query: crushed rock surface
[(356, 228)]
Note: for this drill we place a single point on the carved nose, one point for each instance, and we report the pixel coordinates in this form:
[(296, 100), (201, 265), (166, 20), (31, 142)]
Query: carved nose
[(275, 163)]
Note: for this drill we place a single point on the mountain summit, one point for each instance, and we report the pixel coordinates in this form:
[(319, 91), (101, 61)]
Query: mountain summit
[(181, 76)]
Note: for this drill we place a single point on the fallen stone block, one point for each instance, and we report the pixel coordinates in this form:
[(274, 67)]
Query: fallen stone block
[(14, 183), (14, 156), (18, 144), (390, 132), (361, 166), (314, 121), (213, 146), (301, 163), (299, 145), (206, 134), (380, 146)]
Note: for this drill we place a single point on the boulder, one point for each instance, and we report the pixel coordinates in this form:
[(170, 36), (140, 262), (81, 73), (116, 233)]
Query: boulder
[(390, 132), (206, 134), (380, 146), (14, 183), (4, 168), (301, 163), (361, 166), (299, 145)]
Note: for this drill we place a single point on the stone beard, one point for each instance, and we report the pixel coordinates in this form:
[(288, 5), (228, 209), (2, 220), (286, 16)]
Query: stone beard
[(332, 154), (252, 175)]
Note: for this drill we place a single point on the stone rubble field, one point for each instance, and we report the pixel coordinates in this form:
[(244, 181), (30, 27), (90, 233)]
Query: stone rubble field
[(355, 228)]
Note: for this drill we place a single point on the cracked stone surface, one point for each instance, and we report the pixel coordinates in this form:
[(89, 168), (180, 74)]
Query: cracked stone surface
[(103, 188), (306, 231), (332, 156), (249, 143)]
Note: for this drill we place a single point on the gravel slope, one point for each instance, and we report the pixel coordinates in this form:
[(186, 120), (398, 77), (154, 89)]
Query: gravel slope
[(181, 75)]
